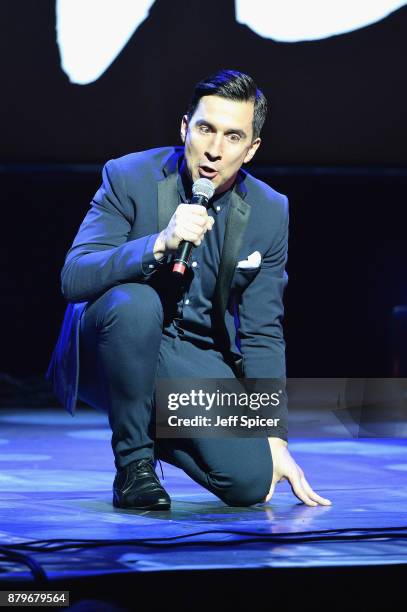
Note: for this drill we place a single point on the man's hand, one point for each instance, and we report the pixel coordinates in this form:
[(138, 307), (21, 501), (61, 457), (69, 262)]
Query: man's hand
[(285, 468), (189, 222)]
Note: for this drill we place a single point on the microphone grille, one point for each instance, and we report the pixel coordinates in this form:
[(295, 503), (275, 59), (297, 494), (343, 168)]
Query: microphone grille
[(203, 187)]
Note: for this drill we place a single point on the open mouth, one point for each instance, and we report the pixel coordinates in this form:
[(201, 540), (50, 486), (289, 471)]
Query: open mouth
[(207, 172)]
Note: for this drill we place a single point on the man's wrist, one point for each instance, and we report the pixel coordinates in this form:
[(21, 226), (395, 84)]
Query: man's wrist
[(159, 249)]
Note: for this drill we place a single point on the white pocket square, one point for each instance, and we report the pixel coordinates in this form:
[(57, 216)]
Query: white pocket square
[(251, 263)]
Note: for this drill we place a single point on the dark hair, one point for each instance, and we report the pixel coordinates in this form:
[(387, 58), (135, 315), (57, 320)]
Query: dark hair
[(232, 85)]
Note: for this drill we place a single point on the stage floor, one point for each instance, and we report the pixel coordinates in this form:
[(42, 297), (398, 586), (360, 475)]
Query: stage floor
[(56, 478)]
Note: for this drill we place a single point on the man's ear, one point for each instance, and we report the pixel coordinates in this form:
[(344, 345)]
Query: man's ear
[(252, 150), (184, 128)]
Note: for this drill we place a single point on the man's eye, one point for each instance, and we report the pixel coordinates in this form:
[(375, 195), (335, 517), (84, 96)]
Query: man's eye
[(204, 129), (234, 137)]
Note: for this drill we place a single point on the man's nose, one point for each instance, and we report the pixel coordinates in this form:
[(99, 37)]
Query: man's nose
[(214, 148)]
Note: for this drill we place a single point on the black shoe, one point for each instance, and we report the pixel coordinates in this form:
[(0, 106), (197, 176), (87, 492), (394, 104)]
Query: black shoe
[(137, 486)]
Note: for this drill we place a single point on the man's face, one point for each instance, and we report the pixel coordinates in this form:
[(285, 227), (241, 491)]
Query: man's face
[(218, 140)]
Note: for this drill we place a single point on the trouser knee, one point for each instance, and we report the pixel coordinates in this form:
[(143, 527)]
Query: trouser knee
[(241, 490), (133, 306)]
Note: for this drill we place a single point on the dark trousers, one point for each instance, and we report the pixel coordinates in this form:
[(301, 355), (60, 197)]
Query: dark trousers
[(123, 349)]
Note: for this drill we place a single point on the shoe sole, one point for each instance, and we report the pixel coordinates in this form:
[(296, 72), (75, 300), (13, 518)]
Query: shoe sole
[(157, 506)]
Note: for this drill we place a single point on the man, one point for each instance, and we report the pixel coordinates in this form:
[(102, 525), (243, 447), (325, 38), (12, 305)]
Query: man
[(128, 323)]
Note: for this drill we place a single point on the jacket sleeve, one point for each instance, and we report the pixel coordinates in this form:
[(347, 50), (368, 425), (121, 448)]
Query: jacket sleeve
[(101, 255), (261, 312)]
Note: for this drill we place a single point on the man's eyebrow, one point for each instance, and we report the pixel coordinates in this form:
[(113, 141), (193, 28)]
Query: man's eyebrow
[(241, 133)]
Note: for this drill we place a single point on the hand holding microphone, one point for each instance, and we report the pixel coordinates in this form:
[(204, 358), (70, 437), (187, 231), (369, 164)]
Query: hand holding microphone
[(187, 226), (202, 191)]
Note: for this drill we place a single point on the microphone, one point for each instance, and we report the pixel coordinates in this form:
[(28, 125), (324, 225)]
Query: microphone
[(202, 191)]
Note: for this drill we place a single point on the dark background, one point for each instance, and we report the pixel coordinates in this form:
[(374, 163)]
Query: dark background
[(334, 142), (340, 100)]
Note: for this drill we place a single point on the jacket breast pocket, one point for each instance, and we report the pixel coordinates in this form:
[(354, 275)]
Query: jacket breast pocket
[(243, 277)]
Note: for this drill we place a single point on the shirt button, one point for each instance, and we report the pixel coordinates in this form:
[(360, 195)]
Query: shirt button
[(194, 264), (187, 301), (218, 208)]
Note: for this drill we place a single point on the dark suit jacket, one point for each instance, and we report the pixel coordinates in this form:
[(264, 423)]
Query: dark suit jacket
[(136, 201)]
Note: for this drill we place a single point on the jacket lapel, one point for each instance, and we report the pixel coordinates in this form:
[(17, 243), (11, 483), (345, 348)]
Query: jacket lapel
[(167, 195), (238, 217)]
